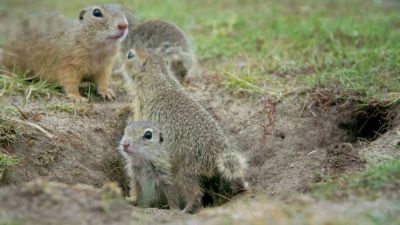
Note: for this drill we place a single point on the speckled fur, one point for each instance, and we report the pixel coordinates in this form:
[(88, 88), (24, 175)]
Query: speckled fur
[(165, 39), (197, 144), (148, 166), (52, 47)]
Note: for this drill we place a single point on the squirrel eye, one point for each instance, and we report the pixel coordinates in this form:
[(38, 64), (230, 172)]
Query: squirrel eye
[(148, 135), (97, 13), (131, 55)]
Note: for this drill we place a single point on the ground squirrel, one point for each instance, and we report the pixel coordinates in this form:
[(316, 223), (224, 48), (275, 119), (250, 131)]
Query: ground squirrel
[(197, 145), (54, 48), (148, 165), (165, 39)]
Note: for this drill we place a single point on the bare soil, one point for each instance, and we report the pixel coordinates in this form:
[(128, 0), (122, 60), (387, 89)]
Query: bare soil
[(288, 145)]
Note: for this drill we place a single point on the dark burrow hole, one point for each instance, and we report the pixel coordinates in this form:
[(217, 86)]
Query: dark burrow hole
[(369, 122)]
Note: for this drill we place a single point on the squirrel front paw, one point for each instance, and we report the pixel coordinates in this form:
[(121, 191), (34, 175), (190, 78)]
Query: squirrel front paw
[(77, 98), (108, 94)]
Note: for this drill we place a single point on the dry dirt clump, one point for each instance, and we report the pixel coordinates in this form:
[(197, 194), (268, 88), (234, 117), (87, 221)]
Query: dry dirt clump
[(42, 202), (303, 210)]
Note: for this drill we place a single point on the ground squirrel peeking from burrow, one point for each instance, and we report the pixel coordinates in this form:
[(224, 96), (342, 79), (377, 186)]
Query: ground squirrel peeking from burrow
[(165, 39), (148, 165), (197, 145), (57, 49)]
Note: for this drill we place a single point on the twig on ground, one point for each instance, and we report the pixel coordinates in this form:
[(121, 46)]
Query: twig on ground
[(37, 127), (22, 113), (269, 109)]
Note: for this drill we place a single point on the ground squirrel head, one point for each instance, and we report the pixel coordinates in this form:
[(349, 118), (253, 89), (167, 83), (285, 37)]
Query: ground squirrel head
[(143, 63), (142, 140), (107, 21)]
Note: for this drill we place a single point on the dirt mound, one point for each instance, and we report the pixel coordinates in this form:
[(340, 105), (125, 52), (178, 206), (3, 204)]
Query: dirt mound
[(284, 142), (54, 203), (44, 203), (303, 210), (287, 143), (71, 147)]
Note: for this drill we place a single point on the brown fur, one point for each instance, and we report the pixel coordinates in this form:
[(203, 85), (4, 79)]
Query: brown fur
[(54, 48), (197, 145)]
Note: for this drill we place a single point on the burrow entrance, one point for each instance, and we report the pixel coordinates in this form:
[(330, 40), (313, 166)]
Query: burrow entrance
[(369, 122)]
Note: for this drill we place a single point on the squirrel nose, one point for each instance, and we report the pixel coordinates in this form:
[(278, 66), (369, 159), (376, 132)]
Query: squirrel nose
[(125, 146), (122, 26)]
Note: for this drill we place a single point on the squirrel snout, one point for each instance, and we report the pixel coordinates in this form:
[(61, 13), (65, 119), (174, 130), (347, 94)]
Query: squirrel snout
[(125, 146), (122, 25)]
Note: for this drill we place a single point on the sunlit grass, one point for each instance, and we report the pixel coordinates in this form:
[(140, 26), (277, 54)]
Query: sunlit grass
[(352, 46), (375, 181), (18, 82)]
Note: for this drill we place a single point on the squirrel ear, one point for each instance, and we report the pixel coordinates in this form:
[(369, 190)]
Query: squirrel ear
[(81, 14)]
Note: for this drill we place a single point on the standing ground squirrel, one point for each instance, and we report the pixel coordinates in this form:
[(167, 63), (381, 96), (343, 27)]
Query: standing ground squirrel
[(57, 49), (197, 145), (165, 39), (148, 166)]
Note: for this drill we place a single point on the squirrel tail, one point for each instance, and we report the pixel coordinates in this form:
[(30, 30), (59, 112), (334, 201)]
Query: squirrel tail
[(231, 165)]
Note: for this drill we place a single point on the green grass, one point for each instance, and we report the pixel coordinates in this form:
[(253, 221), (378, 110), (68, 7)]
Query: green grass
[(67, 107), (375, 181), (280, 48), (7, 160), (4, 220), (17, 82)]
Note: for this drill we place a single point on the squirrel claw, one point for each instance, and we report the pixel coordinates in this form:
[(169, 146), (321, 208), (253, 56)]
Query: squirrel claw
[(77, 98), (108, 94)]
